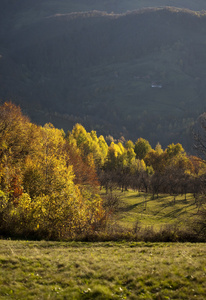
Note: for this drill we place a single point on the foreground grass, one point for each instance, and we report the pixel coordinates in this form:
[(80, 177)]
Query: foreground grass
[(55, 270)]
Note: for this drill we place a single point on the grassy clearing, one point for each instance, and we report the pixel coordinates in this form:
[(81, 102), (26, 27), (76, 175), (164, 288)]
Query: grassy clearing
[(52, 270), (155, 212)]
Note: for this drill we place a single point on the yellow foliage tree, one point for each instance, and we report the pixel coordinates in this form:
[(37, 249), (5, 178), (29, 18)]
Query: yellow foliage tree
[(48, 203)]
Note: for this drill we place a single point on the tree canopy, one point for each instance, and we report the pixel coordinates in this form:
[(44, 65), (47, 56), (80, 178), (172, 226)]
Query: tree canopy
[(50, 181)]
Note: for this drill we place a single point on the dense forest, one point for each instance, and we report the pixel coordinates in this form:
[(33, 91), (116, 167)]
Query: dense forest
[(51, 181), (131, 74)]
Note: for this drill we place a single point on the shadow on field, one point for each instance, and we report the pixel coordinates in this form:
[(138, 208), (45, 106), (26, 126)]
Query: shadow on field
[(163, 207), (175, 213), (131, 207), (134, 196)]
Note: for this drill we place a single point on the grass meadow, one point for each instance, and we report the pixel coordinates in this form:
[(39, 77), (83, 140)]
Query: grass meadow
[(110, 270), (164, 210), (104, 270)]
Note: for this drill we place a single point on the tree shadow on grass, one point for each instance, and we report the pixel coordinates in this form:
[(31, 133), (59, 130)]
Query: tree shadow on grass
[(138, 195), (175, 212), (131, 207), (178, 212)]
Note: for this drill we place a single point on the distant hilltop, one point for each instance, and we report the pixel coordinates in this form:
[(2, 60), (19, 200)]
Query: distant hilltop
[(139, 73)]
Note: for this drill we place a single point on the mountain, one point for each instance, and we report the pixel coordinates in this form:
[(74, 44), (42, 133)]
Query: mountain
[(139, 73), (29, 10)]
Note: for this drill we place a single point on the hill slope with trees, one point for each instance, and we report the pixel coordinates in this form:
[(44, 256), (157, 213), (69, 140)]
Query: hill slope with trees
[(134, 74), (50, 182)]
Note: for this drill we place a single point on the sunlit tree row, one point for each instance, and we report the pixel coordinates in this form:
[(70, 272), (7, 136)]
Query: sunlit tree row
[(50, 181)]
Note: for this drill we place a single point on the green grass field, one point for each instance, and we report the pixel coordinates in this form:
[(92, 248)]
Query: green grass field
[(156, 212), (74, 270)]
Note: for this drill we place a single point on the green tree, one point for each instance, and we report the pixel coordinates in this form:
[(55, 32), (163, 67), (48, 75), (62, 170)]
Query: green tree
[(174, 150), (129, 145), (141, 148), (158, 148)]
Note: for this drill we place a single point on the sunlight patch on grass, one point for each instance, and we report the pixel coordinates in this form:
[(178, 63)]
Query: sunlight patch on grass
[(155, 212)]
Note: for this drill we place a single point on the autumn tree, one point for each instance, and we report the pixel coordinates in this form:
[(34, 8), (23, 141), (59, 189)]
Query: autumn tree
[(89, 144), (85, 171), (49, 203), (64, 207), (156, 160), (14, 147)]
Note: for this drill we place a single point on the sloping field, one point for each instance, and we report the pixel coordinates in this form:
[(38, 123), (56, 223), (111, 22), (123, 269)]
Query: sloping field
[(156, 212)]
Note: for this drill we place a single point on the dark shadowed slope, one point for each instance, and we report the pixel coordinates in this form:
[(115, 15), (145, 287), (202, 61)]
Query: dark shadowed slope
[(136, 74)]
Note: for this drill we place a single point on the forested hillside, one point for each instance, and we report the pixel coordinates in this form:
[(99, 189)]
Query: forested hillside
[(134, 74), (51, 182)]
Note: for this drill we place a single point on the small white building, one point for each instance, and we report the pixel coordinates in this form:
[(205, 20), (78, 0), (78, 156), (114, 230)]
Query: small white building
[(156, 85)]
